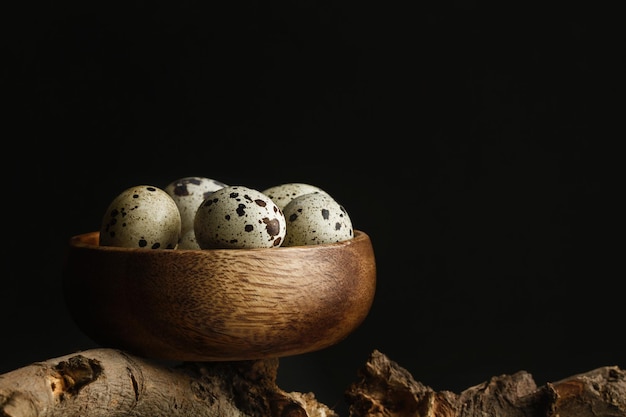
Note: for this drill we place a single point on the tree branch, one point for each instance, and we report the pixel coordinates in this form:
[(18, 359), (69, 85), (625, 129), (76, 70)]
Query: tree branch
[(112, 383), (386, 389)]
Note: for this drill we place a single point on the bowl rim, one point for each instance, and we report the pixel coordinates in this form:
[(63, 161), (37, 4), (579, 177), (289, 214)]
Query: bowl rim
[(82, 240)]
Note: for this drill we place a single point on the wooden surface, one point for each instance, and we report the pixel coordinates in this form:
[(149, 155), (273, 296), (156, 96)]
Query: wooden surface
[(385, 388), (228, 304), (111, 382)]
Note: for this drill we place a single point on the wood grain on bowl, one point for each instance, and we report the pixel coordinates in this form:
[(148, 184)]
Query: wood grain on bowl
[(223, 304)]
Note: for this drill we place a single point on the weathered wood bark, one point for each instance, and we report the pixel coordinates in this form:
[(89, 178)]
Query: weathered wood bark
[(111, 383), (108, 382), (386, 389)]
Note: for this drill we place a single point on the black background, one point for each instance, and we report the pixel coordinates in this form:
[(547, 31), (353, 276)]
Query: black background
[(469, 140)]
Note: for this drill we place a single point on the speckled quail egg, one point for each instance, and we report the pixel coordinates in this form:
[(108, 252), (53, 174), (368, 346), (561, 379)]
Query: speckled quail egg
[(188, 193), (188, 241), (239, 217), (282, 194), (314, 219), (143, 216)]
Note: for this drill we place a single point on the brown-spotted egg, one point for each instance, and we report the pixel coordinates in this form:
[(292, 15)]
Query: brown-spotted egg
[(239, 217), (188, 193), (143, 216), (282, 194), (188, 241), (314, 219)]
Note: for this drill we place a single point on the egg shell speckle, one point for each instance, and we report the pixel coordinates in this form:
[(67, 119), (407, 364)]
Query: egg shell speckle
[(188, 193), (314, 219), (239, 217), (142, 216), (282, 194)]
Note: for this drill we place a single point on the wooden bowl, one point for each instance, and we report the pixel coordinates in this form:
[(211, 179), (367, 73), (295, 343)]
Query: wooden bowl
[(219, 305)]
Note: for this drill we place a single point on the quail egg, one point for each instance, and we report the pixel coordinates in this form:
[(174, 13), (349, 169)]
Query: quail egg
[(188, 241), (314, 219), (188, 193), (143, 216), (239, 217), (282, 194)]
